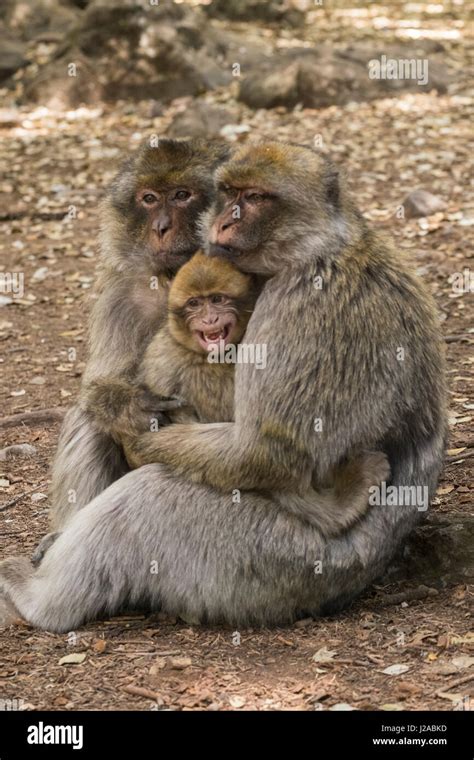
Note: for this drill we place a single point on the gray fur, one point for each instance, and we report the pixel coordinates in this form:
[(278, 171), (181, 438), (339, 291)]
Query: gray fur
[(125, 316), (243, 564), (332, 355)]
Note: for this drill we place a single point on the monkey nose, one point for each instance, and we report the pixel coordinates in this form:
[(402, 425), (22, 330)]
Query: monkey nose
[(162, 224), (163, 228)]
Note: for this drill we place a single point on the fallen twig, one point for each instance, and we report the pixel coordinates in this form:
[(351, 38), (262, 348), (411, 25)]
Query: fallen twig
[(139, 691), (464, 455), (458, 682), (410, 595), (461, 338), (45, 216), (20, 496), (36, 416)]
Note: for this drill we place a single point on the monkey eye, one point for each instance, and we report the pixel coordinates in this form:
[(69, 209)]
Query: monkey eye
[(193, 302), (228, 191), (182, 195), (255, 197), (216, 298), (149, 199)]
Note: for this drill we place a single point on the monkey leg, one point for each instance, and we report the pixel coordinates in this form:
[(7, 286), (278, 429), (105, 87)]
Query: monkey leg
[(8, 613), (154, 539), (87, 461), (43, 546)]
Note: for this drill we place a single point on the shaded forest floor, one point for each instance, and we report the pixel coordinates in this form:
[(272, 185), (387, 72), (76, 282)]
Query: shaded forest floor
[(55, 163)]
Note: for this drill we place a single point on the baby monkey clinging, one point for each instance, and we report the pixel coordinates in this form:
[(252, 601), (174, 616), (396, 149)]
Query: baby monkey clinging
[(210, 303)]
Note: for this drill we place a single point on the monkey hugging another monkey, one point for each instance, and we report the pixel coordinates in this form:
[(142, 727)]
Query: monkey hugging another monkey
[(209, 305), (335, 306)]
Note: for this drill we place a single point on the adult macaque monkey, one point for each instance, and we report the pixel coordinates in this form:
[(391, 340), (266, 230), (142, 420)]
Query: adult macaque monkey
[(354, 360), (209, 306), (149, 230), (347, 326)]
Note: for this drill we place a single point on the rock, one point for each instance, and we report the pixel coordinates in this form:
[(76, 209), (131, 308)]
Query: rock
[(180, 663), (256, 10), (362, 55), (200, 120), (440, 552), (131, 52), (396, 670), (233, 132), (12, 57), (275, 88), (422, 203), (320, 77), (17, 450), (40, 274), (9, 117), (53, 87), (35, 18), (76, 658), (314, 78), (36, 497)]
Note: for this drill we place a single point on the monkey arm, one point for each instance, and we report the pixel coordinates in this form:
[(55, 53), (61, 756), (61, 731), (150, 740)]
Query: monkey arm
[(223, 456), (124, 318)]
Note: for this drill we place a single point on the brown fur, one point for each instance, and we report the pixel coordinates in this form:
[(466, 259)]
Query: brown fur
[(137, 266), (341, 339), (176, 365), (333, 355)]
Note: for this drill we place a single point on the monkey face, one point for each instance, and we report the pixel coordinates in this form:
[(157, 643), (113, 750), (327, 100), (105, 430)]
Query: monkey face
[(156, 199), (268, 197), (212, 320), (166, 222), (244, 220), (210, 302)]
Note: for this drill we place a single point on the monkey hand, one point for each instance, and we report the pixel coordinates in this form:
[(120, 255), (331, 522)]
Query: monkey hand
[(345, 499), (121, 408), (147, 412), (43, 547), (354, 479), (131, 451)]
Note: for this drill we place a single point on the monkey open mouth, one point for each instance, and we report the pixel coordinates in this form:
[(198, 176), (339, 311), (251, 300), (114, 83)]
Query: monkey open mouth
[(212, 339)]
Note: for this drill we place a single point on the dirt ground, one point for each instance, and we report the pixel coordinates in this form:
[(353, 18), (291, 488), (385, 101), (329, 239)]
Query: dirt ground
[(56, 167)]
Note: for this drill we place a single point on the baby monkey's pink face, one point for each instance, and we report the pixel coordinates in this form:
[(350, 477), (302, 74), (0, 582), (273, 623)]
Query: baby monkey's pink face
[(212, 320), (210, 303)]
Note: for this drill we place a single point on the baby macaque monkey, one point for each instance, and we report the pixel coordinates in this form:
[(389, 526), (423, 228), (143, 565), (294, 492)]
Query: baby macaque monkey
[(209, 305)]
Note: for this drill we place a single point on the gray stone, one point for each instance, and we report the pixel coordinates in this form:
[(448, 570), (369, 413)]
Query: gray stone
[(422, 203)]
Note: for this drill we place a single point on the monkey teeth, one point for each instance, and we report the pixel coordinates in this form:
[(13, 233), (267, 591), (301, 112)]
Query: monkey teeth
[(208, 340)]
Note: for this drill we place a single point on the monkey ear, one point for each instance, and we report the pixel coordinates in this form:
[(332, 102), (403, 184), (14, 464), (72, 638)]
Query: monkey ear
[(333, 187)]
